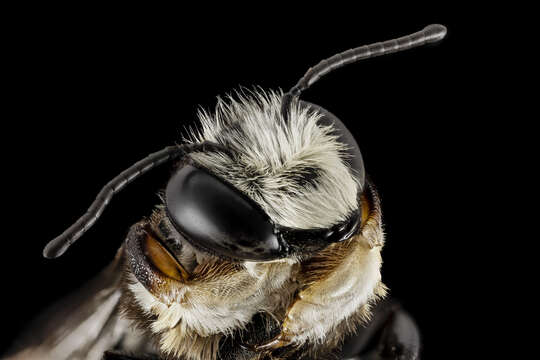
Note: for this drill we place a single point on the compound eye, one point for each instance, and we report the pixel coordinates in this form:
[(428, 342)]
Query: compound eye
[(217, 218)]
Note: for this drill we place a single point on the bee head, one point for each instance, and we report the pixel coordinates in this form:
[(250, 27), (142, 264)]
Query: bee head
[(264, 185), (284, 187), (267, 176)]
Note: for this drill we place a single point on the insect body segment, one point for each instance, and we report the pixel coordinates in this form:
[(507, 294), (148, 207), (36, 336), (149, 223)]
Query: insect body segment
[(268, 223)]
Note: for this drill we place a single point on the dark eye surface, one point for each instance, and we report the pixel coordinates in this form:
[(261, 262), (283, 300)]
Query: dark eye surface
[(215, 217)]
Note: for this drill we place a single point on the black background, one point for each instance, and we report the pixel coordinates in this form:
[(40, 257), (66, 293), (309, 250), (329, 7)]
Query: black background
[(91, 91)]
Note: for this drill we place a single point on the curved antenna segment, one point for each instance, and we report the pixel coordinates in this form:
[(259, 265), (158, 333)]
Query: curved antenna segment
[(430, 34), (61, 243)]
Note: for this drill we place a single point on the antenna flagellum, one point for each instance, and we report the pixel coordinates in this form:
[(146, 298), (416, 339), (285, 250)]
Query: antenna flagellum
[(61, 243), (430, 34)]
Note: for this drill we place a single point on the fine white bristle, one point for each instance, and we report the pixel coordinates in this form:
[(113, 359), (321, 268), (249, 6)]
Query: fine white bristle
[(294, 170)]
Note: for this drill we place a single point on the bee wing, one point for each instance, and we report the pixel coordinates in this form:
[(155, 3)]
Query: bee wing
[(81, 326)]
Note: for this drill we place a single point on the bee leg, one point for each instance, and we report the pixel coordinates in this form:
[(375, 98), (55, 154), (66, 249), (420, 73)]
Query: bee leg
[(285, 336), (279, 341), (338, 282)]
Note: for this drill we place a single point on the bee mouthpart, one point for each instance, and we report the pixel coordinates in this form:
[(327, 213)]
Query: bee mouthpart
[(151, 261), (162, 258)]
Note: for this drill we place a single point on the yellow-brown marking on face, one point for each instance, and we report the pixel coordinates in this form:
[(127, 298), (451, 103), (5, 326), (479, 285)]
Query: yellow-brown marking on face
[(163, 260), (366, 209)]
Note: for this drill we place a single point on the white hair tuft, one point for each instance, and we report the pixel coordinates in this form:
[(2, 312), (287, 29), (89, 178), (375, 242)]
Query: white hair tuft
[(295, 169)]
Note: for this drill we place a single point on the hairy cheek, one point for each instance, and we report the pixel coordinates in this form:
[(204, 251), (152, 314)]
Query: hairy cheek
[(209, 286), (202, 313)]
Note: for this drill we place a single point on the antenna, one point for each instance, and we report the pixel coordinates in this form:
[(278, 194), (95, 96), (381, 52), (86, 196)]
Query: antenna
[(61, 243), (430, 34)]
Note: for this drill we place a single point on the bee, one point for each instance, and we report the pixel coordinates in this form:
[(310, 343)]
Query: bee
[(267, 244)]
